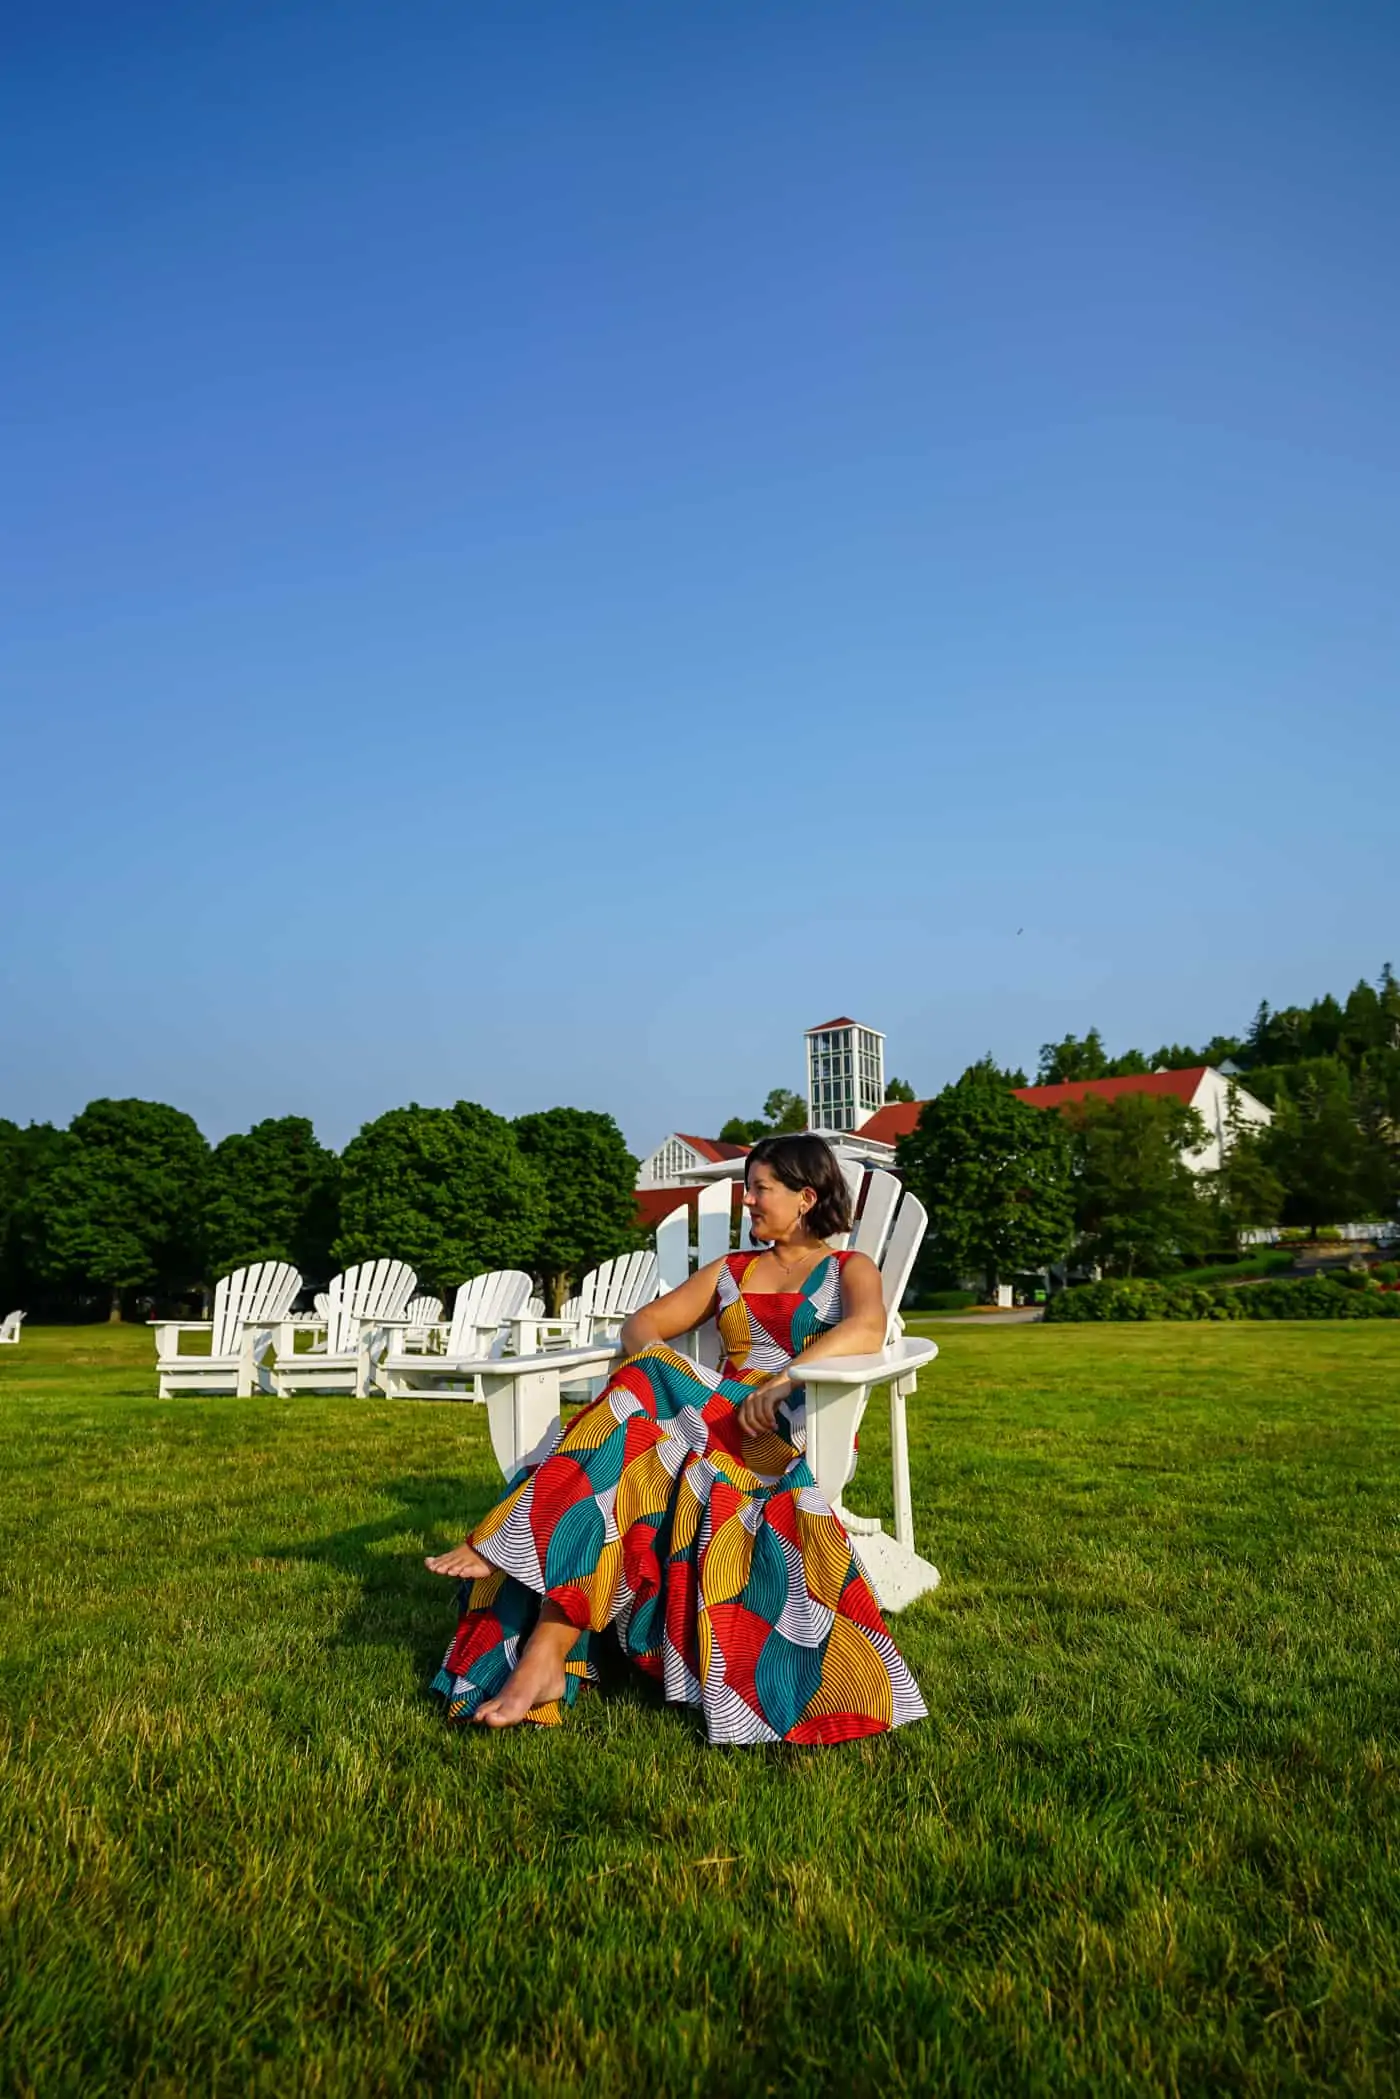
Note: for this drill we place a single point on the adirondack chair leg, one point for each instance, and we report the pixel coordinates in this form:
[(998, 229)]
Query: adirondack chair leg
[(244, 1387), (900, 1389), (520, 1412), (833, 1415)]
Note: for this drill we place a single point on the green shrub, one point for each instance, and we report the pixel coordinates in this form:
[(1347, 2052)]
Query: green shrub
[(1388, 1272), (1329, 1234), (1314, 1298), (1248, 1268), (947, 1300), (1353, 1278)]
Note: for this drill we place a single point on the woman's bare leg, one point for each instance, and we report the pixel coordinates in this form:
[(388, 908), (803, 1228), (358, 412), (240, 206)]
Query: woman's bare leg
[(465, 1562), (538, 1676)]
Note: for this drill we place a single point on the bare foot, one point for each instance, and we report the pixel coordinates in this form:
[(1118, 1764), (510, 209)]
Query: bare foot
[(465, 1563), (538, 1677), (533, 1682)]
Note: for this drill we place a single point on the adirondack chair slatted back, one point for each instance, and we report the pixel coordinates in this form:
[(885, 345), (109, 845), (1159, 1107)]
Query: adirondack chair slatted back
[(619, 1285), (900, 1251), (486, 1302), (255, 1296), (373, 1290), (423, 1311)]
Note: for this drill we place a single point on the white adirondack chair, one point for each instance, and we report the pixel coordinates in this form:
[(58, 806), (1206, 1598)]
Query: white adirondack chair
[(522, 1393), (249, 1305), (481, 1315), (9, 1328), (422, 1319), (605, 1297), (363, 1306)]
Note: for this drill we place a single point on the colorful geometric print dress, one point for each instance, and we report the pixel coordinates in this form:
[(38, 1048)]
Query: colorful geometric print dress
[(724, 1573)]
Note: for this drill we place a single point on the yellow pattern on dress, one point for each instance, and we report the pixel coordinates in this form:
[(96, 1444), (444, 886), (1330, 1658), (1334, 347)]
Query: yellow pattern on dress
[(600, 1587), (826, 1555), (643, 1489), (727, 1561), (590, 1429), (854, 1679), (685, 1520)]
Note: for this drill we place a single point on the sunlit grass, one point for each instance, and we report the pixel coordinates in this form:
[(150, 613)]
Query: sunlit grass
[(1147, 1840)]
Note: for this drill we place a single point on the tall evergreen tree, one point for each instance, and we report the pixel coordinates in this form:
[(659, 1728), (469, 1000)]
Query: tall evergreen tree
[(1139, 1207)]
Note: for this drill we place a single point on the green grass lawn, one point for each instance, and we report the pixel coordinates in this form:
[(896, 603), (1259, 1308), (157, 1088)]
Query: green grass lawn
[(1146, 1842)]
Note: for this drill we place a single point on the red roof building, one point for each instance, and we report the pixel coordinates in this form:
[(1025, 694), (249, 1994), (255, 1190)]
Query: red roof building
[(1179, 1085), (680, 1154), (1216, 1097)]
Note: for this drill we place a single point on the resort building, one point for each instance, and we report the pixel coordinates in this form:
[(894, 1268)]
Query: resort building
[(845, 1074), (1217, 1098), (678, 1156)]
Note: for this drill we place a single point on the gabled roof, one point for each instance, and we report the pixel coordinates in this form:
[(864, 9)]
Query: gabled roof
[(1183, 1085), (895, 1120), (843, 1021), (898, 1118), (712, 1148)]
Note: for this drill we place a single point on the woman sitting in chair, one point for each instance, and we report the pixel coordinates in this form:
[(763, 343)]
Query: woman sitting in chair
[(679, 1509)]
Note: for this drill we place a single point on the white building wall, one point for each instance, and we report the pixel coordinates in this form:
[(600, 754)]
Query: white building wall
[(1215, 1100), (672, 1158)]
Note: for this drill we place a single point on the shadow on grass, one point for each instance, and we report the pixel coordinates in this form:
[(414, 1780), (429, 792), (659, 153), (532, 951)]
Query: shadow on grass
[(400, 1604)]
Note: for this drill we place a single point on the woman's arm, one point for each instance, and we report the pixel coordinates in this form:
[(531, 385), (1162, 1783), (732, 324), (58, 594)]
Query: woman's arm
[(678, 1312), (859, 1332)]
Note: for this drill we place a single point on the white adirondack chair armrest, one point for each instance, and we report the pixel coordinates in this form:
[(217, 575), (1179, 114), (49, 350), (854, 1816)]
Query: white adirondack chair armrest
[(529, 1333), (550, 1361), (907, 1354), (182, 1326)]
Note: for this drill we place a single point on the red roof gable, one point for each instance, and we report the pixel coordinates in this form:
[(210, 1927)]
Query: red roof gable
[(844, 1021), (895, 1120), (898, 1118), (1181, 1084), (713, 1148)]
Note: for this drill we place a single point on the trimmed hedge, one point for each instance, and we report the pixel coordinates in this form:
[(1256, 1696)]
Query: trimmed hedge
[(1313, 1298)]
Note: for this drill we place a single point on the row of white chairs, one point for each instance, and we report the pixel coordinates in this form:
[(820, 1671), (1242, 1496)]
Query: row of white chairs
[(371, 1330), (501, 1348)]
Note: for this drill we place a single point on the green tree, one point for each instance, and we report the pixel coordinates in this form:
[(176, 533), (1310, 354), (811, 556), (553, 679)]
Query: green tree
[(590, 1181), (1318, 1149), (272, 1194), (1061, 1063), (900, 1090), (1248, 1193), (783, 1113), (1138, 1206), (26, 1156), (739, 1131), (446, 1189), (122, 1202), (994, 1175)]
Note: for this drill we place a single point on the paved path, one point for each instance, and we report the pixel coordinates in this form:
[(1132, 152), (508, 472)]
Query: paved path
[(1019, 1315)]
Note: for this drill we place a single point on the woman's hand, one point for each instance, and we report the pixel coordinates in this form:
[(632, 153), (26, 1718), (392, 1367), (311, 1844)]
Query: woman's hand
[(759, 1413)]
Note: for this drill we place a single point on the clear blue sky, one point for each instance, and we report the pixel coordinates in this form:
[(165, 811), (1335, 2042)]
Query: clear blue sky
[(548, 547)]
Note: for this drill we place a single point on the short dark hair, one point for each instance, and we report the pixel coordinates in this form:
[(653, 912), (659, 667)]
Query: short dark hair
[(807, 1162)]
